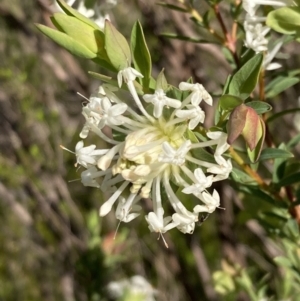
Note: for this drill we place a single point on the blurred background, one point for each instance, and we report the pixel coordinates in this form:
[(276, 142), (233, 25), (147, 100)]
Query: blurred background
[(53, 244)]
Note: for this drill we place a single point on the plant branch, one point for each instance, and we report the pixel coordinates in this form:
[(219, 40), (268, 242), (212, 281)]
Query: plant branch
[(230, 41)]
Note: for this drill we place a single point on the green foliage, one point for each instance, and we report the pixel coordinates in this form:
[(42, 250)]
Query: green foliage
[(67, 42), (285, 20), (245, 79), (141, 56), (116, 46)]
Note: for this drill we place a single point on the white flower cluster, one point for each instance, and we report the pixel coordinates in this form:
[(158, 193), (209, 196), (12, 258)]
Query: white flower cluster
[(136, 287), (149, 152), (99, 13), (256, 32)]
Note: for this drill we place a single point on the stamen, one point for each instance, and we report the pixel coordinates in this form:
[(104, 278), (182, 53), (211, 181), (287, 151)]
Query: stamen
[(162, 237), (62, 147)]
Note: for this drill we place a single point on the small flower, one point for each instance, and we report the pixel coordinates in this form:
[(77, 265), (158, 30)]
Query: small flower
[(134, 288), (87, 155), (127, 210), (194, 113), (128, 75), (255, 36), (250, 6), (159, 100), (211, 202), (222, 170), (221, 139), (198, 93), (185, 222), (176, 157), (201, 183), (159, 225)]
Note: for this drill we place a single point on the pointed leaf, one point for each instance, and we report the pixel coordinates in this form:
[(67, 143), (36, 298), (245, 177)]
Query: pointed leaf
[(290, 179), (79, 31), (279, 85), (229, 102), (282, 113), (73, 12), (141, 54), (67, 42), (244, 81), (260, 107), (273, 153), (161, 82), (117, 48), (285, 20)]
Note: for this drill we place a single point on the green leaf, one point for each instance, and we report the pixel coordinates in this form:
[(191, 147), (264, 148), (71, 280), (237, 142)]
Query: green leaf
[(279, 85), (285, 20), (76, 29), (226, 85), (289, 180), (141, 54), (229, 102), (73, 12), (244, 80), (277, 115), (241, 177), (67, 42), (273, 153), (260, 194), (116, 46), (161, 82), (260, 107)]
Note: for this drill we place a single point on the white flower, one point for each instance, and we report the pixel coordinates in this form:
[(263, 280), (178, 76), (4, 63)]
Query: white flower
[(255, 36), (198, 93), (87, 155), (135, 288), (151, 152), (128, 75), (173, 156), (267, 63), (185, 222), (222, 170), (127, 210), (250, 6), (159, 100), (194, 113), (211, 202), (159, 225), (221, 139), (201, 183)]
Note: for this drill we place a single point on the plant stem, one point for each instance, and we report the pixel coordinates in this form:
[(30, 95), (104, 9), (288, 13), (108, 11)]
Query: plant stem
[(230, 41), (253, 174)]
